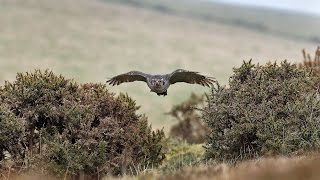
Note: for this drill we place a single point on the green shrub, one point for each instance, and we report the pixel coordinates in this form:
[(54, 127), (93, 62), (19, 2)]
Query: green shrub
[(38, 98), (270, 109), (104, 133), (80, 129), (180, 154), (190, 126), (11, 134)]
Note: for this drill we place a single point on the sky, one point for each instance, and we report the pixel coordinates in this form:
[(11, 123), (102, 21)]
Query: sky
[(305, 6)]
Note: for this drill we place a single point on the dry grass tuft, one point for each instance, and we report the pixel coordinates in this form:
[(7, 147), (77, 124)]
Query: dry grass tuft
[(275, 168), (309, 63)]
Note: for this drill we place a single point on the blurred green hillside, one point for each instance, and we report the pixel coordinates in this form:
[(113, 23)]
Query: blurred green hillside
[(92, 40), (288, 24)]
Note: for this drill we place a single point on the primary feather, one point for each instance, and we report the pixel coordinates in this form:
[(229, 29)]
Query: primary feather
[(128, 77), (181, 75)]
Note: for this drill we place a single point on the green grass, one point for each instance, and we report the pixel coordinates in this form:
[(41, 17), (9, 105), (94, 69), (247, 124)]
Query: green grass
[(92, 40), (288, 24)]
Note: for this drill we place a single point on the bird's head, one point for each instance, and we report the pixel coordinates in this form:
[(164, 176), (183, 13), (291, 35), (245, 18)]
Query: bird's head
[(157, 83)]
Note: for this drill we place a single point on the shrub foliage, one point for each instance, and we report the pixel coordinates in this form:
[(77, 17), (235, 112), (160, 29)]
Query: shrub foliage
[(190, 126), (76, 128), (267, 109), (11, 134)]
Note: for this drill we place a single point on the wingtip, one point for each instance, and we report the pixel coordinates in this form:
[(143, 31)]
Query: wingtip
[(110, 82), (210, 81)]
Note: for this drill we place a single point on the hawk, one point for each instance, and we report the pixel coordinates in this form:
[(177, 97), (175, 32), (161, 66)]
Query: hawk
[(160, 83)]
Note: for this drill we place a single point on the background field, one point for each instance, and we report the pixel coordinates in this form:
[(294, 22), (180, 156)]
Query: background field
[(92, 40)]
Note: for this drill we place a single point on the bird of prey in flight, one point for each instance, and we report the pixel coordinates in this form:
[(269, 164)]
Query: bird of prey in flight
[(160, 83)]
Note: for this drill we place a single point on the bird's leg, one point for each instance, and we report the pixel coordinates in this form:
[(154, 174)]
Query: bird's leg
[(165, 93)]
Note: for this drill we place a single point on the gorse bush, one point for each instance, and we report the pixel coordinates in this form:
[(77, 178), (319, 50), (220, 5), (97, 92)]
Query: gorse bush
[(39, 98), (270, 109), (11, 134), (190, 126), (78, 128), (104, 133)]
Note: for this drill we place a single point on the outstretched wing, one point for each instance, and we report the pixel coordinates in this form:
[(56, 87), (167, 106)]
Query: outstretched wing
[(181, 75), (128, 77)]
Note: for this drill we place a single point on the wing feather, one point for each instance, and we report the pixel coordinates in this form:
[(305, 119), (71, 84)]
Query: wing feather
[(128, 77), (181, 75)]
